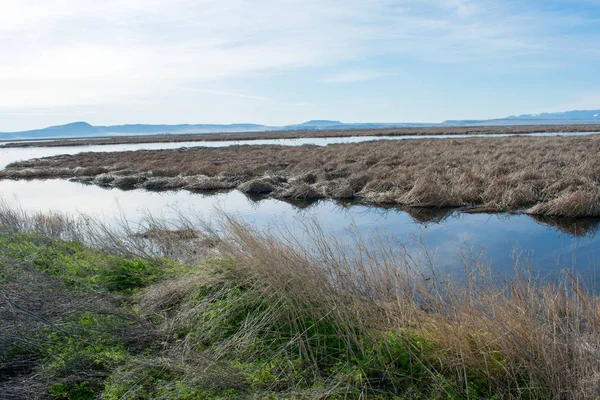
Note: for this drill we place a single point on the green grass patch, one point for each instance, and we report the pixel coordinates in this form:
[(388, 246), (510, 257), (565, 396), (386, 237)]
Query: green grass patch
[(77, 355), (83, 267)]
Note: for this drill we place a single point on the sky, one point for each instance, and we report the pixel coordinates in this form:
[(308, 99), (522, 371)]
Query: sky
[(279, 62)]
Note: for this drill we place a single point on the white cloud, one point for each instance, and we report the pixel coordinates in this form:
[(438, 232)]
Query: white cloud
[(226, 94), (58, 53), (355, 76), (66, 52)]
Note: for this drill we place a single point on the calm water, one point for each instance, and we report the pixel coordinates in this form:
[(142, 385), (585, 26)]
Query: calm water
[(550, 245), (549, 248)]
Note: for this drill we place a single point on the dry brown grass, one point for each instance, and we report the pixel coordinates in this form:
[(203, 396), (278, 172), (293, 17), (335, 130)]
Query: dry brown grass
[(571, 204), (177, 138), (550, 176), (480, 323), (390, 306)]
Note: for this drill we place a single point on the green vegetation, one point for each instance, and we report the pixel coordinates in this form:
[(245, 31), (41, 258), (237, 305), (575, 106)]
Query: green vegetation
[(265, 320), (83, 267)]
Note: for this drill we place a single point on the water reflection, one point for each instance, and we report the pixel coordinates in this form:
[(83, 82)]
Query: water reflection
[(549, 243), (419, 215), (427, 215), (579, 227)]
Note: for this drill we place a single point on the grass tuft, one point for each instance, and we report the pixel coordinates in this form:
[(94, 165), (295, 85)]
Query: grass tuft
[(574, 204)]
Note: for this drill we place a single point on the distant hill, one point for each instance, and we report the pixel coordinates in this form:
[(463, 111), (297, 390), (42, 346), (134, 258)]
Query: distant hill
[(83, 129), (586, 115), (328, 125), (72, 129), (566, 117)]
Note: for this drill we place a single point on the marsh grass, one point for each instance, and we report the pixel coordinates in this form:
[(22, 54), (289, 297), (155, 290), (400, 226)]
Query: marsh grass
[(512, 333), (238, 312), (553, 176)]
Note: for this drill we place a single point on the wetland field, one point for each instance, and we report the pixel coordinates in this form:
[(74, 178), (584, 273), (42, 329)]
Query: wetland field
[(550, 176), (321, 268)]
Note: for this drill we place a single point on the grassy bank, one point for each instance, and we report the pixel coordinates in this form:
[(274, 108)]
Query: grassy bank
[(550, 176), (230, 312), (176, 138)]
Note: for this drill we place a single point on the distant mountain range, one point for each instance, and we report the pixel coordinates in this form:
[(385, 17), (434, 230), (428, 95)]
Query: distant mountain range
[(589, 115), (554, 118), (83, 129)]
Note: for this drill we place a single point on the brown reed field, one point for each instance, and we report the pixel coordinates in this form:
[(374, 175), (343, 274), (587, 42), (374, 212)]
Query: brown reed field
[(551, 176)]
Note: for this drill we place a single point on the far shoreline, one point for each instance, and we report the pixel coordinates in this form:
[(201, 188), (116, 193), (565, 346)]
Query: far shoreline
[(297, 134)]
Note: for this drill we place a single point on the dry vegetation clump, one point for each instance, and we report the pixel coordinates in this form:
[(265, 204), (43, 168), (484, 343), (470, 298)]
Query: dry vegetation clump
[(301, 191), (104, 179), (341, 191), (258, 186), (204, 184), (429, 192), (574, 204), (160, 184), (128, 182), (550, 175)]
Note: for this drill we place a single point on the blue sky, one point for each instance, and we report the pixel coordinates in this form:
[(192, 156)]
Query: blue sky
[(287, 61)]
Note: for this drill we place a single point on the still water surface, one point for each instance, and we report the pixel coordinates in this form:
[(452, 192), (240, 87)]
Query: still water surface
[(549, 248)]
